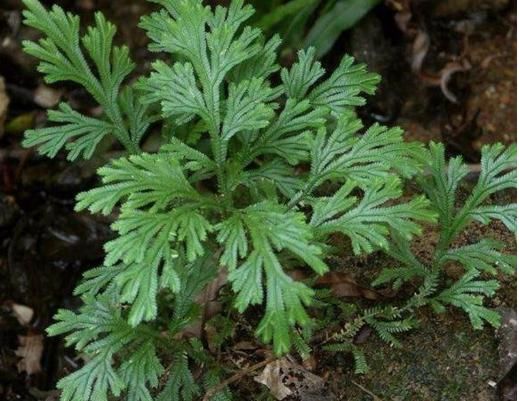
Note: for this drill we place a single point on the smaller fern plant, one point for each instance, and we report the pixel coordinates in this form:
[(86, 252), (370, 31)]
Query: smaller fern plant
[(480, 260)]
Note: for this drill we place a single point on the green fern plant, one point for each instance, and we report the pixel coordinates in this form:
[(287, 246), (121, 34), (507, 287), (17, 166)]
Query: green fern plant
[(237, 185), (480, 260)]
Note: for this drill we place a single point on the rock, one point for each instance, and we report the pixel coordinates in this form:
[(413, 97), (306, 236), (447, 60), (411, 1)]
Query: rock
[(47, 97)]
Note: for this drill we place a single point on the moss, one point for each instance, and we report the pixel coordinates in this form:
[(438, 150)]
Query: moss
[(444, 360)]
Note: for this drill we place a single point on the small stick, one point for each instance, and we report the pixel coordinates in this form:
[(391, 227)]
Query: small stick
[(237, 376), (375, 397)]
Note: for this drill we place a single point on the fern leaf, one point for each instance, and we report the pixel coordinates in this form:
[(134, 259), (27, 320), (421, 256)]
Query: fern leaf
[(386, 329), (361, 365), (181, 385), (484, 256), (344, 153), (342, 90), (97, 279), (261, 65), (497, 174), (177, 90), (302, 75), (143, 180), (246, 109), (79, 134), (231, 233), (368, 223), (93, 381), (398, 275), (467, 294), (296, 119), (507, 214), (63, 59), (271, 229), (276, 172), (140, 372)]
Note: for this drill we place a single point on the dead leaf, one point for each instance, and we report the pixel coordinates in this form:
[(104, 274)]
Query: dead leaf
[(402, 19), (403, 14), (208, 299), (47, 97), (211, 290), (419, 51), (30, 350), (285, 378), (443, 77), (52, 395), (362, 335), (245, 346), (23, 314), (344, 285), (4, 104), (272, 378), (20, 123), (446, 74), (310, 363)]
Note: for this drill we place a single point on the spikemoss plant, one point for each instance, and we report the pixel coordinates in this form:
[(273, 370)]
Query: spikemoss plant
[(237, 186)]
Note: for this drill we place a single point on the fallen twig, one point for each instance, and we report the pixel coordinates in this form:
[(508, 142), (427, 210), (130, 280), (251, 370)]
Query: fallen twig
[(237, 376), (375, 397)]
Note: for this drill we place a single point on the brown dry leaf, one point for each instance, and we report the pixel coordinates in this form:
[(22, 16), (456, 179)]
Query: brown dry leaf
[(23, 314), (4, 104), (211, 290), (285, 378), (245, 346), (208, 299), (403, 13), (344, 285), (446, 74), (30, 350), (47, 97), (419, 51)]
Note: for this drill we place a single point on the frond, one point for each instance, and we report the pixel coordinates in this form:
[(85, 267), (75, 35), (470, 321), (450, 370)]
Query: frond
[(63, 59), (302, 75), (497, 174), (141, 372), (367, 224), (146, 180), (343, 89), (484, 256), (467, 294), (79, 134), (270, 228), (181, 385)]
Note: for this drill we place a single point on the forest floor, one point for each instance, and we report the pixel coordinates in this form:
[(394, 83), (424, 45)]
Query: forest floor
[(460, 88)]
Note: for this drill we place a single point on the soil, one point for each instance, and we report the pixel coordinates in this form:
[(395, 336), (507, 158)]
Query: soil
[(45, 246)]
